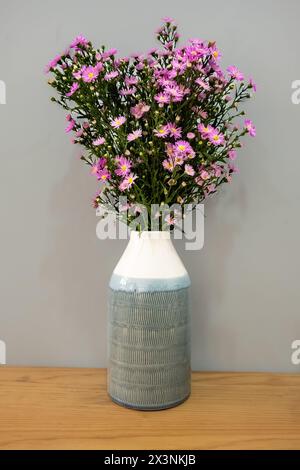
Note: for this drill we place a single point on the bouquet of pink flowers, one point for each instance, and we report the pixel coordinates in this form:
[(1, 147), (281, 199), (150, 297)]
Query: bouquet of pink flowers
[(158, 128)]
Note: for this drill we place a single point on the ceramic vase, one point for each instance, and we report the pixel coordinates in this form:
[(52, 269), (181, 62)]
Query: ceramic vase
[(149, 325)]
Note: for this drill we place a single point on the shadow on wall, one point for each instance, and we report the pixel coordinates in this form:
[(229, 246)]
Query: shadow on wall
[(76, 273)]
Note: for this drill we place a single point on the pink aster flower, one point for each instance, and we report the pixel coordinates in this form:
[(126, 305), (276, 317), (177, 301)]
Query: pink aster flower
[(162, 131), (70, 126), (179, 159), (96, 199), (211, 188), (90, 74), (199, 181), (79, 41), (73, 89), (118, 121), (99, 141), (110, 75), (164, 81), (134, 135), (181, 146), (99, 66), (232, 154), (189, 170), (98, 166), (127, 182), (215, 52), (190, 135), (162, 99), (168, 165), (79, 133), (128, 91), (174, 131), (184, 149), (104, 175), (169, 149), (217, 170), (235, 73), (109, 53), (124, 166), (175, 92), (168, 19), (129, 81), (78, 74), (170, 220), (250, 128), (232, 168), (194, 52), (216, 138), (53, 63), (203, 114), (139, 110), (204, 175), (203, 84), (205, 131)]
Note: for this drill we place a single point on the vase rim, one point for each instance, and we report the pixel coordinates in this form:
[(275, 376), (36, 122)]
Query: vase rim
[(151, 235)]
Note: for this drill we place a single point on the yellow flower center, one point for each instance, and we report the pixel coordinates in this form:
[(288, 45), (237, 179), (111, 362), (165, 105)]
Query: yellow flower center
[(103, 177), (123, 167), (181, 147), (130, 180), (161, 131), (215, 54), (216, 137), (91, 74)]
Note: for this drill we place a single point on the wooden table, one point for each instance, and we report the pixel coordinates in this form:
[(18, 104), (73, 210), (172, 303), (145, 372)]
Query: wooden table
[(47, 408)]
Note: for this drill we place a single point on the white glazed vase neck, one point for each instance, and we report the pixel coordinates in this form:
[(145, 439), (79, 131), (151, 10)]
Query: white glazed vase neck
[(150, 255)]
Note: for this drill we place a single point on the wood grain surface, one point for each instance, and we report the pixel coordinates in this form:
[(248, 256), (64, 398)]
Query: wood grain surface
[(49, 408)]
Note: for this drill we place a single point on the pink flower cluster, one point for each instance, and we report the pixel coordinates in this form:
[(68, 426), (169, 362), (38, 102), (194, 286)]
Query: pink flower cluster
[(124, 170), (139, 110), (210, 133), (177, 153), (168, 130), (160, 121)]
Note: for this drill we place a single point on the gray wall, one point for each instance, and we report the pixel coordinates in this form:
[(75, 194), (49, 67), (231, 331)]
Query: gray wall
[(54, 271)]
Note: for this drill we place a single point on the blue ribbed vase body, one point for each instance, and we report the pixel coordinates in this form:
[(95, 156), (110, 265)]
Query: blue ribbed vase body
[(149, 341)]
